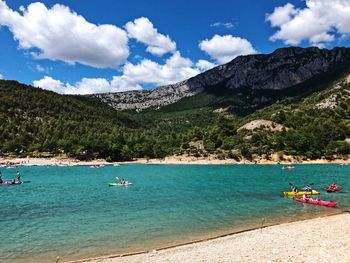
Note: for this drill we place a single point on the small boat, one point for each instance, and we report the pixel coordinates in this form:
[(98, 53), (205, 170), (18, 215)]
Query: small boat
[(119, 184), (332, 189), (316, 202), (97, 166), (300, 193), (288, 167), (9, 183)]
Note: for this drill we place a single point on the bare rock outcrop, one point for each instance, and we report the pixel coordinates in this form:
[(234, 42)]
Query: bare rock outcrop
[(284, 68), (261, 124)]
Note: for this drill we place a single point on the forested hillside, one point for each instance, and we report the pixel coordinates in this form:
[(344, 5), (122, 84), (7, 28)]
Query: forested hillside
[(311, 123)]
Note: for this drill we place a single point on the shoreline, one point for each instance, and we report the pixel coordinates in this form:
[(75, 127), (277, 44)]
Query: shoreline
[(179, 160), (189, 247)]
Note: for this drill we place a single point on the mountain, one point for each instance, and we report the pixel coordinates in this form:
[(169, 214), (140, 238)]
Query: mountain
[(294, 102), (283, 69)]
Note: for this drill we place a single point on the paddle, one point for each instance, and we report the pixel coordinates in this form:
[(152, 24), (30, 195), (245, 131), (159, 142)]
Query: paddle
[(291, 185)]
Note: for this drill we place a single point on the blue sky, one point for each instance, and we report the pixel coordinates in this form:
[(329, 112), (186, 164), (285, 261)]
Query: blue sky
[(72, 46)]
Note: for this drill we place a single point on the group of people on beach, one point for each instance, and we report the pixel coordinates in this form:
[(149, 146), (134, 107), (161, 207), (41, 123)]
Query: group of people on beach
[(13, 181)]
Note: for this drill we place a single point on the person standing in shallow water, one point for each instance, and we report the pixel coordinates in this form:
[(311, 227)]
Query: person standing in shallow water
[(1, 181), (18, 176)]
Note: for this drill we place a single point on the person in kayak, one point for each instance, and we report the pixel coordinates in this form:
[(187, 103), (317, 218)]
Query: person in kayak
[(123, 181), (18, 176), (306, 197), (295, 189), (333, 186), (308, 188)]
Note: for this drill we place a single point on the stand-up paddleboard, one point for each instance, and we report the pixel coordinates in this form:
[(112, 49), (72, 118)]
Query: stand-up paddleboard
[(9, 183)]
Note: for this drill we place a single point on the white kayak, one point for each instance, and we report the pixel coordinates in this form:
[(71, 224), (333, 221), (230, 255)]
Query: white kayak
[(119, 184)]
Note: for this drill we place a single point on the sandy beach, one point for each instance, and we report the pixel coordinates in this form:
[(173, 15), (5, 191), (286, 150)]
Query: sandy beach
[(325, 239), (64, 161)]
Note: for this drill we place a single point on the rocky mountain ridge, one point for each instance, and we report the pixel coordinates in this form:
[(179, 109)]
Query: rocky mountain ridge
[(282, 69)]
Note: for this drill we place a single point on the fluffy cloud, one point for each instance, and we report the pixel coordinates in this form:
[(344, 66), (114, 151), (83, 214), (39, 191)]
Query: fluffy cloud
[(281, 15), (319, 23), (176, 68), (225, 48), (143, 31), (61, 34), (204, 65), (87, 85), (1, 76)]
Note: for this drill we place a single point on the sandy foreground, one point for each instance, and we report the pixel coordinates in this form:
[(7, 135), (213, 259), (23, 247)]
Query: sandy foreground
[(325, 239)]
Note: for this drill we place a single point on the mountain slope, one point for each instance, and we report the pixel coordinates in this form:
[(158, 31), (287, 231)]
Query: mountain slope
[(32, 120), (307, 120), (280, 70), (302, 127)]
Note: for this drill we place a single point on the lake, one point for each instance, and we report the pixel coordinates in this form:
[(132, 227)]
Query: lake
[(71, 212)]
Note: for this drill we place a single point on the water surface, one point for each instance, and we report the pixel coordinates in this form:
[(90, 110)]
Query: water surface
[(71, 212)]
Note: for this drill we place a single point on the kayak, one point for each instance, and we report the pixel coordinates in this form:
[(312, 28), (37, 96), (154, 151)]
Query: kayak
[(288, 167), (119, 184), (314, 202), (9, 183), (291, 194), (333, 189)]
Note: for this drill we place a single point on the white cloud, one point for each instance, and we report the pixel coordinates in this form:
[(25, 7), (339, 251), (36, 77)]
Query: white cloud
[(281, 15), (1, 76), (143, 31), (204, 65), (87, 85), (61, 34), (39, 68), (50, 84), (227, 25), (176, 68), (225, 48), (319, 23)]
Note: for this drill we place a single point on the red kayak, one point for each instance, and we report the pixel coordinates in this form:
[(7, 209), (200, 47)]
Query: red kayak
[(314, 202), (333, 189)]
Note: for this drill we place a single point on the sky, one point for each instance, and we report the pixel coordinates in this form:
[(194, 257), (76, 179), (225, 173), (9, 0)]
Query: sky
[(84, 47)]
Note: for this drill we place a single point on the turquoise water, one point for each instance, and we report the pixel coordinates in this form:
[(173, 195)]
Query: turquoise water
[(72, 213)]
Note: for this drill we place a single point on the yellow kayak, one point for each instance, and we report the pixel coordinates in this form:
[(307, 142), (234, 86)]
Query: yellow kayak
[(292, 194)]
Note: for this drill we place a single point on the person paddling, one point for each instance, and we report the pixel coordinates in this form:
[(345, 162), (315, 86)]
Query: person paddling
[(122, 181), (305, 197), (308, 188)]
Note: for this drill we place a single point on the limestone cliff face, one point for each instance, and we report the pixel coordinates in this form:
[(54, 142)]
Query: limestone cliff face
[(284, 68)]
